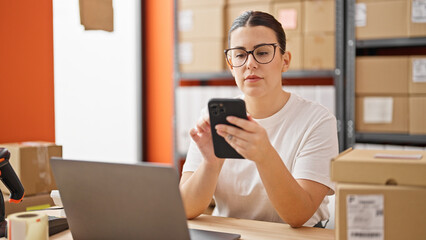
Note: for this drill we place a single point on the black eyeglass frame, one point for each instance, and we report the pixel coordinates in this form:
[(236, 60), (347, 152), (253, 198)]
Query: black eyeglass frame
[(275, 45)]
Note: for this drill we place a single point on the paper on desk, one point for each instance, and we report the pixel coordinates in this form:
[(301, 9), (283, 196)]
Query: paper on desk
[(378, 109)]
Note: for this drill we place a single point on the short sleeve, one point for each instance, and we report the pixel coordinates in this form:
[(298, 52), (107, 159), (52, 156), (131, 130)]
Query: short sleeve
[(319, 148), (193, 158)]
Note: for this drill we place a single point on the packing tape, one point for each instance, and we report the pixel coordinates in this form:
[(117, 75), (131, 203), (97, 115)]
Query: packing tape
[(28, 226)]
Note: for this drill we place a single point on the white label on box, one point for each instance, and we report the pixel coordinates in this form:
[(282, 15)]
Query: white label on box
[(419, 70), (418, 11), (288, 18), (186, 20), (365, 217), (360, 15), (185, 53), (378, 109)]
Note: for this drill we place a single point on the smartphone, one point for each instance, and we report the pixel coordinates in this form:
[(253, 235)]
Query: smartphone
[(219, 109)]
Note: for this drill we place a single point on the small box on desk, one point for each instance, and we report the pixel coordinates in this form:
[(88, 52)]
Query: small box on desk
[(380, 194), (30, 160)]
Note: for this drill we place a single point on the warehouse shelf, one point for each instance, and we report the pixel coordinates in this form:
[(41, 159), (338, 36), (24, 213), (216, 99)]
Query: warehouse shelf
[(376, 47), (395, 42), (388, 138)]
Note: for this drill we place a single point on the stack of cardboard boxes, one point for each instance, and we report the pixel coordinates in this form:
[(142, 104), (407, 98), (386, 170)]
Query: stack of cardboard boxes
[(378, 19), (201, 35), (390, 90), (309, 26), (30, 160), (380, 194)]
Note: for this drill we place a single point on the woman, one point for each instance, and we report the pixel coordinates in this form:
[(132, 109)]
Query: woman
[(287, 142)]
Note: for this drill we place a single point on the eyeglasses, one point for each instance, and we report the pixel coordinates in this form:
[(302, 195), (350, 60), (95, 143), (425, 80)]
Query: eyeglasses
[(263, 54)]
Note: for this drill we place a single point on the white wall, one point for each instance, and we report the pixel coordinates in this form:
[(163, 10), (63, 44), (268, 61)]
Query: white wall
[(97, 84)]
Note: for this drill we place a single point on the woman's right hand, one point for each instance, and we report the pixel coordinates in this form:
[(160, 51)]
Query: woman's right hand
[(202, 136)]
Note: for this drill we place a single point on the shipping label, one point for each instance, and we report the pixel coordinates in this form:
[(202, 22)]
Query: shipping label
[(288, 18), (185, 53), (360, 15), (419, 70), (378, 109), (186, 20), (418, 11), (365, 217)]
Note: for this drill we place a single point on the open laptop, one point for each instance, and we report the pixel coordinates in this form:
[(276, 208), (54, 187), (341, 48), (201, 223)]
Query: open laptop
[(124, 201)]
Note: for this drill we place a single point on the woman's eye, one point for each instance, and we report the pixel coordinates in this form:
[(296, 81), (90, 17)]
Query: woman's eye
[(239, 55), (262, 53)]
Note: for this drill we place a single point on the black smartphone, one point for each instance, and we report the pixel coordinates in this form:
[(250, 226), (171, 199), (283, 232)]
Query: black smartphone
[(219, 109)]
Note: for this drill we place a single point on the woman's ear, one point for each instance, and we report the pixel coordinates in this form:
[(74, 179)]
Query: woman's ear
[(231, 69), (286, 61)]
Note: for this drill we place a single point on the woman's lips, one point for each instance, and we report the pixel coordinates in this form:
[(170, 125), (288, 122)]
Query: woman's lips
[(252, 78)]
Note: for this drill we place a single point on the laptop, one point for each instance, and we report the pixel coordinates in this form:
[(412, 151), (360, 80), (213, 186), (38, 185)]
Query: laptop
[(124, 201)]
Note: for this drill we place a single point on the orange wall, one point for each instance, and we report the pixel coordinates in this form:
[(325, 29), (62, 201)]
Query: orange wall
[(158, 81), (26, 71)]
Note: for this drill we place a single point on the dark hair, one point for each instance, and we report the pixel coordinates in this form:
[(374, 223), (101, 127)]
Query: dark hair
[(257, 18)]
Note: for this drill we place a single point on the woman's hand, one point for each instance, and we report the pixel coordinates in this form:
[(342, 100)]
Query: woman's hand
[(202, 136), (251, 141)]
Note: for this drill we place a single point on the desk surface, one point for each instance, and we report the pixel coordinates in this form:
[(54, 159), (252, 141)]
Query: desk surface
[(248, 229)]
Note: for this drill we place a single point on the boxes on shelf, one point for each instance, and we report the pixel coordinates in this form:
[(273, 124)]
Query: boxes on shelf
[(381, 113), (417, 75), (29, 203), (417, 117), (319, 16), (201, 20), (290, 15), (319, 51), (30, 160), (380, 194), (376, 19), (199, 36), (202, 56), (381, 75)]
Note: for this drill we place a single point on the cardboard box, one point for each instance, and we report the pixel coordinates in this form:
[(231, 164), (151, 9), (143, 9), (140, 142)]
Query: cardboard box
[(417, 21), (319, 51), (381, 167), (201, 56), (380, 212), (200, 2), (35, 202), (375, 19), (290, 15), (236, 9), (417, 75), (294, 44), (30, 160), (381, 114), (417, 124), (196, 21), (381, 75), (319, 16)]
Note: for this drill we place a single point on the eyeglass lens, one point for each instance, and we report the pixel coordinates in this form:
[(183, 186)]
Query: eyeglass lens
[(262, 54)]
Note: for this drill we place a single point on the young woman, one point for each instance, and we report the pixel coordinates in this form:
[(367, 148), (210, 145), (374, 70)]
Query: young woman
[(287, 142)]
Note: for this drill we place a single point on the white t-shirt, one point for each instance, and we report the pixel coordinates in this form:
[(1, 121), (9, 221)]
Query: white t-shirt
[(304, 133)]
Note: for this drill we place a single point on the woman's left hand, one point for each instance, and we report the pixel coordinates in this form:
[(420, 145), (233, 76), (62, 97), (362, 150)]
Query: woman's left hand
[(251, 141)]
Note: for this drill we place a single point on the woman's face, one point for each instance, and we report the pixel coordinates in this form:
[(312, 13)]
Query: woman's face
[(255, 79)]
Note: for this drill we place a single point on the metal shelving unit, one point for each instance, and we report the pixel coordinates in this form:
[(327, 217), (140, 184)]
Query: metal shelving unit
[(352, 45)]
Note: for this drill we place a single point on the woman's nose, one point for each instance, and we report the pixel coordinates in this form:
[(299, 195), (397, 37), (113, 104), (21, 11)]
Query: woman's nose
[(251, 62)]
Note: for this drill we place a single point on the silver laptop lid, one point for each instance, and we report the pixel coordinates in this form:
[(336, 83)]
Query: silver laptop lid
[(120, 201)]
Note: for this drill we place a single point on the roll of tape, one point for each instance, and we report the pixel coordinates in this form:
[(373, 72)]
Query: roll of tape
[(28, 226)]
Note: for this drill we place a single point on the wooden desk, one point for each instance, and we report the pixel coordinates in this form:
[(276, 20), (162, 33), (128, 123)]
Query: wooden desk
[(248, 229)]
